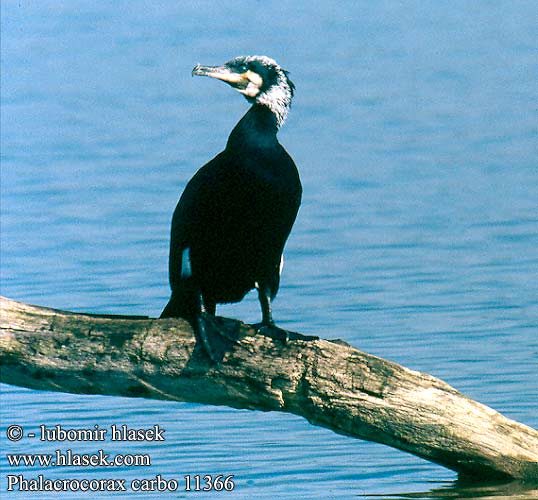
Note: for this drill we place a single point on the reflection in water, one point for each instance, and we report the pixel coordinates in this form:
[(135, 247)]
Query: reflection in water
[(511, 490)]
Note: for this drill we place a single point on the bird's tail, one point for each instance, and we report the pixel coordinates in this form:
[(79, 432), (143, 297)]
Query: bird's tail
[(182, 304), (172, 310)]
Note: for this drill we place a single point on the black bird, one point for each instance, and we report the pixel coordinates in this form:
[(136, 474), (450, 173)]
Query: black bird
[(234, 216)]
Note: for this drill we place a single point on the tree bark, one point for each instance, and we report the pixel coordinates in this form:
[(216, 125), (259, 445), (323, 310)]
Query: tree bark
[(329, 383)]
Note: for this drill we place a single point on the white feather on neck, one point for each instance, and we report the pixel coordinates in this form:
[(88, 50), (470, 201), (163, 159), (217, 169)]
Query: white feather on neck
[(278, 99)]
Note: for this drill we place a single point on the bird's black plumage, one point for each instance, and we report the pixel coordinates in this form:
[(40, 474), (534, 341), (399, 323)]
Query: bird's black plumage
[(232, 221)]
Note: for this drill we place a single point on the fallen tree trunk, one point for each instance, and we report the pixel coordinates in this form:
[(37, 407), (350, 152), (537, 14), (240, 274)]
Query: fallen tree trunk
[(329, 383)]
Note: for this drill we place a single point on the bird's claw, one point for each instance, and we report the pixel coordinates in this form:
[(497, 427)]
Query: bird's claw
[(272, 331), (276, 333)]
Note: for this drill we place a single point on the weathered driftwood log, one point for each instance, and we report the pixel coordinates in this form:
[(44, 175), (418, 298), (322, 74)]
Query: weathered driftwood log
[(329, 383)]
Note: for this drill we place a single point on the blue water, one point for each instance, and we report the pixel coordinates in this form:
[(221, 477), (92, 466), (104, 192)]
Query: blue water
[(414, 129)]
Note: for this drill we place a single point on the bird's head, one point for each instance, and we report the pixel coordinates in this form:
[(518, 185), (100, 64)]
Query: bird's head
[(259, 78)]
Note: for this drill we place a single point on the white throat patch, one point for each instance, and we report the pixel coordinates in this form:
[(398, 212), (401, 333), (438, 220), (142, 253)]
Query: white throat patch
[(278, 99)]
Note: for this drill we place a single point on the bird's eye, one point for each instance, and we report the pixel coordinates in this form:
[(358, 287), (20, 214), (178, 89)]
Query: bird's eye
[(243, 68)]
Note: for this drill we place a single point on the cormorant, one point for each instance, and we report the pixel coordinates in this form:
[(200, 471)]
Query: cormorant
[(234, 216)]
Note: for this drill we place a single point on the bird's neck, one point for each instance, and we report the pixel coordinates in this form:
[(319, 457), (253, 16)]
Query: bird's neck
[(258, 127)]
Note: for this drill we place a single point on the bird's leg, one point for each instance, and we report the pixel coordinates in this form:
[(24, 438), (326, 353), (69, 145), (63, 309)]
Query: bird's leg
[(265, 303), (267, 326), (209, 307), (201, 327), (197, 317)]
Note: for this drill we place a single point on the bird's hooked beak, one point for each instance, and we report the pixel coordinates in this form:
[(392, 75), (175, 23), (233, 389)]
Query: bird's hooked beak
[(247, 83)]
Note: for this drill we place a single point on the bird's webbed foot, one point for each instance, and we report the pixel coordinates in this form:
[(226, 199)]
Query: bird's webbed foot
[(213, 337), (272, 331), (277, 333), (267, 327)]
